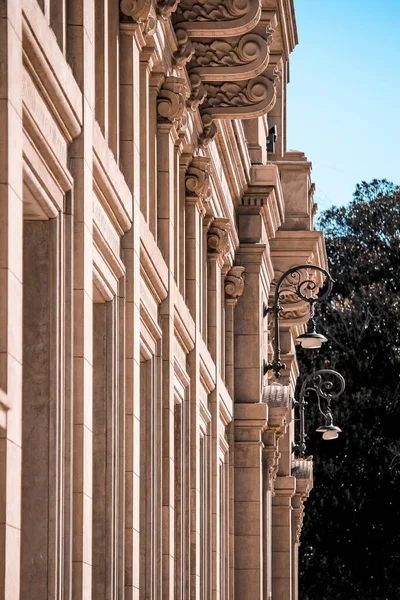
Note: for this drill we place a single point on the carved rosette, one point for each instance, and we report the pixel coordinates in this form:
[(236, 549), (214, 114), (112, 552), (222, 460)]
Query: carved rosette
[(218, 237), (234, 283), (171, 100), (198, 186)]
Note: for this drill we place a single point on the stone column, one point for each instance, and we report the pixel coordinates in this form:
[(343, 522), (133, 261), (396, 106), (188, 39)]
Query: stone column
[(284, 489), (170, 105), (11, 221), (250, 421), (218, 245), (148, 92), (234, 286), (132, 41), (303, 471), (198, 191), (80, 44)]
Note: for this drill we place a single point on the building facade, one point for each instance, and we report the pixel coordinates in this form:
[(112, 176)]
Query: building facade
[(144, 451)]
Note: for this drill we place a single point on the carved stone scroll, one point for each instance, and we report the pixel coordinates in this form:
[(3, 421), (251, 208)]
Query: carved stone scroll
[(185, 48), (234, 283), (213, 18), (239, 99), (165, 8), (140, 11), (218, 236), (171, 99), (198, 184), (225, 60)]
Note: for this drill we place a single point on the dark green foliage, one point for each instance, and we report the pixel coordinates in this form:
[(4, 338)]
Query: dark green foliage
[(351, 537)]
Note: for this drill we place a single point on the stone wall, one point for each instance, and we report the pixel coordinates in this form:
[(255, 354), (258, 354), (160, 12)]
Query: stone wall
[(144, 452)]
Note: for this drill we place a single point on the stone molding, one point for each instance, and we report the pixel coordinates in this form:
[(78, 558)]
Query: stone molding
[(43, 58)]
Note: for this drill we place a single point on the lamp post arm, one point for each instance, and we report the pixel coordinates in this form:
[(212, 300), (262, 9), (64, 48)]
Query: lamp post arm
[(322, 384), (300, 287)]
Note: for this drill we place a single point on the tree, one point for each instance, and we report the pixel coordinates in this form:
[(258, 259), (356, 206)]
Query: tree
[(351, 537)]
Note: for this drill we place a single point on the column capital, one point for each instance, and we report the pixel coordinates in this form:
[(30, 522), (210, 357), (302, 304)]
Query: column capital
[(218, 238), (171, 100), (198, 186), (140, 12), (234, 284)]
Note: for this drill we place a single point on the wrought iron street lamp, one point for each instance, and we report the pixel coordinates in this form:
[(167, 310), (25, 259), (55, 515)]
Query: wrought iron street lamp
[(295, 282), (325, 385)]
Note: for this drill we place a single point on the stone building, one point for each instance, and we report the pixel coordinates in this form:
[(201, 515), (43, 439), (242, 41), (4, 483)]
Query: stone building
[(144, 452)]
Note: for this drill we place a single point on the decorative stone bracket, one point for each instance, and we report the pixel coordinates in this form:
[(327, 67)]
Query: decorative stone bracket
[(198, 185), (171, 100), (218, 237), (145, 12), (226, 48), (302, 469), (234, 283)]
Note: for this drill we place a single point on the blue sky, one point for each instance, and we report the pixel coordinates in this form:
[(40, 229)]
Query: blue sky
[(344, 93)]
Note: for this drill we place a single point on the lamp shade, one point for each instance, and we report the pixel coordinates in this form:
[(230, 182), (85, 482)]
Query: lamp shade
[(329, 432), (311, 340)]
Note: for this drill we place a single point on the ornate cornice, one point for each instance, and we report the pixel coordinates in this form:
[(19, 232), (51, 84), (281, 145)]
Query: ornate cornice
[(218, 237), (171, 100), (234, 283), (226, 58)]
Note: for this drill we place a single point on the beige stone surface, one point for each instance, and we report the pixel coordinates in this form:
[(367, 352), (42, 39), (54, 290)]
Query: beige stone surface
[(142, 222)]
